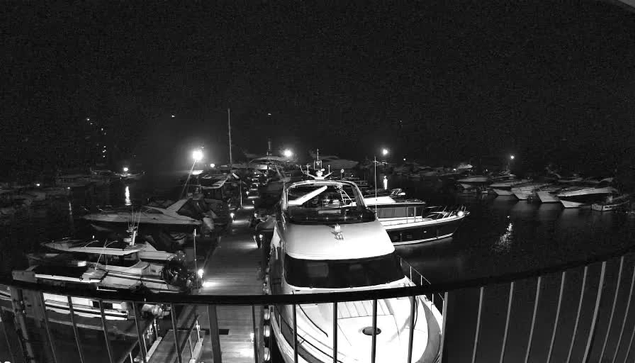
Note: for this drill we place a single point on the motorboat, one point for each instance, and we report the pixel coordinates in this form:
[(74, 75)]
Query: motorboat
[(157, 271), (327, 240), (87, 312), (578, 196), (527, 190), (183, 215), (504, 187), (612, 203), (411, 221), (473, 182), (549, 193)]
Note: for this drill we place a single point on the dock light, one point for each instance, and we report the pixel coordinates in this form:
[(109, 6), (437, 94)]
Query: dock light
[(197, 155), (287, 153), (125, 169), (37, 185), (212, 165), (511, 157), (231, 215), (200, 273), (384, 152)]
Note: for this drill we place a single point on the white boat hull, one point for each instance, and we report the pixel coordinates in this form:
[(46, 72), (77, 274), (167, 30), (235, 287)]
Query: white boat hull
[(547, 197), (522, 194), (502, 192), (572, 204)]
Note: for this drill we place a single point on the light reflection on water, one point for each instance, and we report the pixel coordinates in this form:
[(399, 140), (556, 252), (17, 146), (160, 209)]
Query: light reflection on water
[(127, 196)]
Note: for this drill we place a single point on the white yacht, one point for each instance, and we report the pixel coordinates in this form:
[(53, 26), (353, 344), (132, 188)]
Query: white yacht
[(327, 240), (161, 272), (504, 187), (576, 197), (526, 190), (412, 221), (549, 193), (184, 214)]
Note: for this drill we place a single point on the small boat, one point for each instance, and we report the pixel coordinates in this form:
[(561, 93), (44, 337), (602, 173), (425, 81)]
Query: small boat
[(612, 203), (525, 191), (158, 271), (411, 221), (327, 240), (182, 215), (504, 188), (576, 197)]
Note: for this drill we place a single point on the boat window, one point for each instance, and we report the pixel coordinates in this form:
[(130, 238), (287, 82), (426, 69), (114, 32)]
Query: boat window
[(336, 274), (189, 210), (309, 204)]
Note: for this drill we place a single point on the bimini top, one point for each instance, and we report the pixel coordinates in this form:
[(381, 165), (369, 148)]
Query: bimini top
[(325, 219)]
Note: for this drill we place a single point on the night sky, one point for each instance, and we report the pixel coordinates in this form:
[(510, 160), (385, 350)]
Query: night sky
[(438, 81)]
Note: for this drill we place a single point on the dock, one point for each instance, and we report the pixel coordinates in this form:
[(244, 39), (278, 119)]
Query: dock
[(231, 267)]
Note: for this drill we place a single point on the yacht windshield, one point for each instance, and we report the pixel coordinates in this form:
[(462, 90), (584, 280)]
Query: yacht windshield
[(310, 204), (338, 274)]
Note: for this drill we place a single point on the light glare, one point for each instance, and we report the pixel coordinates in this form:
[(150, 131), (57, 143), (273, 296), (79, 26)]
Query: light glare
[(287, 153), (384, 152), (197, 155)]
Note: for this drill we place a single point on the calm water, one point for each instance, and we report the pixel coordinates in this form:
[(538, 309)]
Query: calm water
[(500, 235)]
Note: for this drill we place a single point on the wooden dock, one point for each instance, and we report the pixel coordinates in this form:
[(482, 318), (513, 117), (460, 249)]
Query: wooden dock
[(232, 267)]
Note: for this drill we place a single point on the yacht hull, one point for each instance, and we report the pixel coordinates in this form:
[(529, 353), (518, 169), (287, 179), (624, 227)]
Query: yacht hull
[(502, 192), (413, 233), (547, 197)]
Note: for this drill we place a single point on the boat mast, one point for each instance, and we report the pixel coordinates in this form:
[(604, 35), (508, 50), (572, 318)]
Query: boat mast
[(229, 134)]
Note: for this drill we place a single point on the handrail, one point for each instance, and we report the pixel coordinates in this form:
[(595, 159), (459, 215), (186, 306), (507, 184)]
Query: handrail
[(316, 297)]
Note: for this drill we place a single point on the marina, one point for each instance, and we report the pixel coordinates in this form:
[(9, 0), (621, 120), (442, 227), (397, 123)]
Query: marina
[(271, 182)]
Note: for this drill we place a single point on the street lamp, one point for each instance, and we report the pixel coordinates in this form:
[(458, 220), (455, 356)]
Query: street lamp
[(197, 155), (384, 152), (287, 153), (511, 157), (125, 169)]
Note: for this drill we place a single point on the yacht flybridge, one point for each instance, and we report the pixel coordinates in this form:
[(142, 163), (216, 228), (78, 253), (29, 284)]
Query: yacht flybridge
[(327, 240)]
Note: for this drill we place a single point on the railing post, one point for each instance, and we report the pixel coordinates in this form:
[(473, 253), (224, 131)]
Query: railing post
[(295, 334), (105, 328), (253, 326), (335, 332), (444, 315), (142, 342), (75, 333), (563, 279), (17, 302), (213, 333), (45, 318), (533, 318), (175, 331), (510, 299), (411, 333), (478, 322), (628, 306), (373, 348), (598, 300), (577, 317), (617, 290)]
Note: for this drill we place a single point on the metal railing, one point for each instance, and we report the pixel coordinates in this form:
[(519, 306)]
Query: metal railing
[(31, 338)]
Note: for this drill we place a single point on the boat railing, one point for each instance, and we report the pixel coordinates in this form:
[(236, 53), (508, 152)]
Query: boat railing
[(598, 326), (418, 279)]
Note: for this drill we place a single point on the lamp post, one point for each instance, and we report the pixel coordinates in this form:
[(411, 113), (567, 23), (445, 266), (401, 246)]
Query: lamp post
[(287, 153), (197, 155), (384, 153)]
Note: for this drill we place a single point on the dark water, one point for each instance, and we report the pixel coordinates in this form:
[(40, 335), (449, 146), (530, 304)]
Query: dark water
[(501, 235)]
